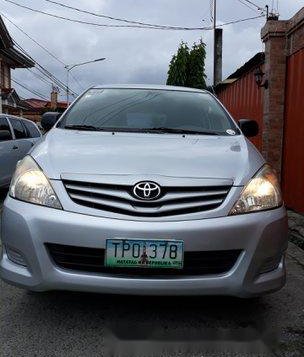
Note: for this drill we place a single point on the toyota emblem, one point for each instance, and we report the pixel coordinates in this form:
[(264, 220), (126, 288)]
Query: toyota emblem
[(147, 190)]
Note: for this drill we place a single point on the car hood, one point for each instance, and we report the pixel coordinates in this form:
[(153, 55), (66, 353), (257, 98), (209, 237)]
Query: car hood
[(66, 153)]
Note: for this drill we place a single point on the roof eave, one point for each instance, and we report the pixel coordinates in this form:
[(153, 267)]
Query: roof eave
[(5, 36), (17, 59)]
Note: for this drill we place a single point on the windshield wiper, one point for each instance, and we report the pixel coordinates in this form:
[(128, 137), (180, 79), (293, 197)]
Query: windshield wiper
[(159, 130), (82, 127), (181, 131)]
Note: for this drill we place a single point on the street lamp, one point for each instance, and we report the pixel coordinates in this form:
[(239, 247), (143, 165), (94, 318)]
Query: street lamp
[(70, 67)]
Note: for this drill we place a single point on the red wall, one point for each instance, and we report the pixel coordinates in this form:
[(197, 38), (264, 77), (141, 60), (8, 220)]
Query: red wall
[(293, 148), (244, 100)]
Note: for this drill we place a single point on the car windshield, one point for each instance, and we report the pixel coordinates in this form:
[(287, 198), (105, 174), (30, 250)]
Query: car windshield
[(146, 110)]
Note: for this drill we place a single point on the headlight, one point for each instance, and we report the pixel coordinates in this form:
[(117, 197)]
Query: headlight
[(29, 184), (261, 193)]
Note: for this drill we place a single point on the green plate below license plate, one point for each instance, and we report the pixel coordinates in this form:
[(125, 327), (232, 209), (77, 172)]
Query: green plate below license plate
[(136, 253)]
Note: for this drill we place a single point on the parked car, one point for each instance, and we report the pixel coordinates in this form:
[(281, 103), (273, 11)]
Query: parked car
[(17, 137), (145, 190)]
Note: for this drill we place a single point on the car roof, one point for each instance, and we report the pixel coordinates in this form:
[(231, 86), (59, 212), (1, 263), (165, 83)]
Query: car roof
[(149, 86), (16, 117)]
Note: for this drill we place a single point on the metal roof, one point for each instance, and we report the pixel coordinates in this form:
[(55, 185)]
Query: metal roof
[(254, 62)]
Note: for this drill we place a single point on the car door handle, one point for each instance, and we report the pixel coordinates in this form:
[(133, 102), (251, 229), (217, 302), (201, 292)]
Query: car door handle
[(15, 147)]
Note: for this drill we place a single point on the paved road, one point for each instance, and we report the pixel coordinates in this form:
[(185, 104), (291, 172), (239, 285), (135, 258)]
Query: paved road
[(75, 324)]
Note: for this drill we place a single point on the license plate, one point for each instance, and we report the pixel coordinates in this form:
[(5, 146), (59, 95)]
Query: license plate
[(136, 253)]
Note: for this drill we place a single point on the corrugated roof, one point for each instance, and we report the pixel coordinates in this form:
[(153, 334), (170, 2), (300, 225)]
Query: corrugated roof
[(254, 62)]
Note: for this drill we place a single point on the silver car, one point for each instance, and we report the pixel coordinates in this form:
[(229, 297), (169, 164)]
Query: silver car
[(17, 137), (145, 190)]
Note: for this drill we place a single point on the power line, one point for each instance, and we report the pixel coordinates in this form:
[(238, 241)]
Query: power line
[(111, 17), (131, 26), (29, 90), (104, 25), (247, 5), (41, 46), (241, 20), (25, 87), (255, 5), (32, 39), (39, 76), (77, 81), (44, 71)]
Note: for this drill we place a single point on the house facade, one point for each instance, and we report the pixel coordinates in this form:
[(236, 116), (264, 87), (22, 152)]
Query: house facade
[(10, 58)]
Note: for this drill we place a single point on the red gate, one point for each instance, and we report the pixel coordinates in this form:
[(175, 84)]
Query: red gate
[(244, 100), (293, 148)]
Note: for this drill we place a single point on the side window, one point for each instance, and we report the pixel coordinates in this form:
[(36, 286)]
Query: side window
[(19, 129), (5, 131), (31, 129)]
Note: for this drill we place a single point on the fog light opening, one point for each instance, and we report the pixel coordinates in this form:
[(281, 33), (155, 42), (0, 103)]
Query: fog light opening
[(15, 256), (271, 264)]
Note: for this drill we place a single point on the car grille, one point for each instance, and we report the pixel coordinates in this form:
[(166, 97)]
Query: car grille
[(92, 260), (173, 200)]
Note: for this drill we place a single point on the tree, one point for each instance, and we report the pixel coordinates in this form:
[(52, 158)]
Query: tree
[(196, 77), (187, 67), (177, 74)]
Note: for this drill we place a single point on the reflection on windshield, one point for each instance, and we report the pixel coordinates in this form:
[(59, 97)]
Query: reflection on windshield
[(148, 110)]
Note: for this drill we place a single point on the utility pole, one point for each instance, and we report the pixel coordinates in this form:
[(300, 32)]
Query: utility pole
[(214, 42), (217, 50)]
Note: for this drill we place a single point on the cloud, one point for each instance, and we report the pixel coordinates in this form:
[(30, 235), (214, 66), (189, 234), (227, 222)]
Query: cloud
[(133, 55)]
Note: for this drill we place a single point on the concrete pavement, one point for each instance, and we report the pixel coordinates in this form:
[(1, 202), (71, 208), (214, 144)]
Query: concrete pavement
[(74, 324)]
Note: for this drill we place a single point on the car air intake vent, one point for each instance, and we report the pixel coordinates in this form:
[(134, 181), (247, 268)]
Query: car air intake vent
[(92, 260), (172, 200)]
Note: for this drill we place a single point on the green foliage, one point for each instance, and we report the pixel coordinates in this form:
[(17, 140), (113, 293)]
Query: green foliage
[(196, 77), (177, 74), (187, 67)]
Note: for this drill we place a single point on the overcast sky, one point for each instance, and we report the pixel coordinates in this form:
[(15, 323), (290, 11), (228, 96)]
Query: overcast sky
[(132, 55)]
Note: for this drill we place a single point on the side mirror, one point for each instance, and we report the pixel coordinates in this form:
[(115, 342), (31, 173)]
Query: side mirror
[(249, 127), (49, 119), (5, 135)]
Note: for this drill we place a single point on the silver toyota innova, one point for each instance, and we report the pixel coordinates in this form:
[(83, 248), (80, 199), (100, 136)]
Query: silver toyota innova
[(145, 190)]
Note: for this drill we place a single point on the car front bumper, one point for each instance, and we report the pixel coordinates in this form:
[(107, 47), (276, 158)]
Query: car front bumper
[(26, 228)]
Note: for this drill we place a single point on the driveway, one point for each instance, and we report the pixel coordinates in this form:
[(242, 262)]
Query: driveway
[(74, 324)]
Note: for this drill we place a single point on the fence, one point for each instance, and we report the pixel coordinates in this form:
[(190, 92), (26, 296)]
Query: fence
[(293, 148), (244, 100)]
